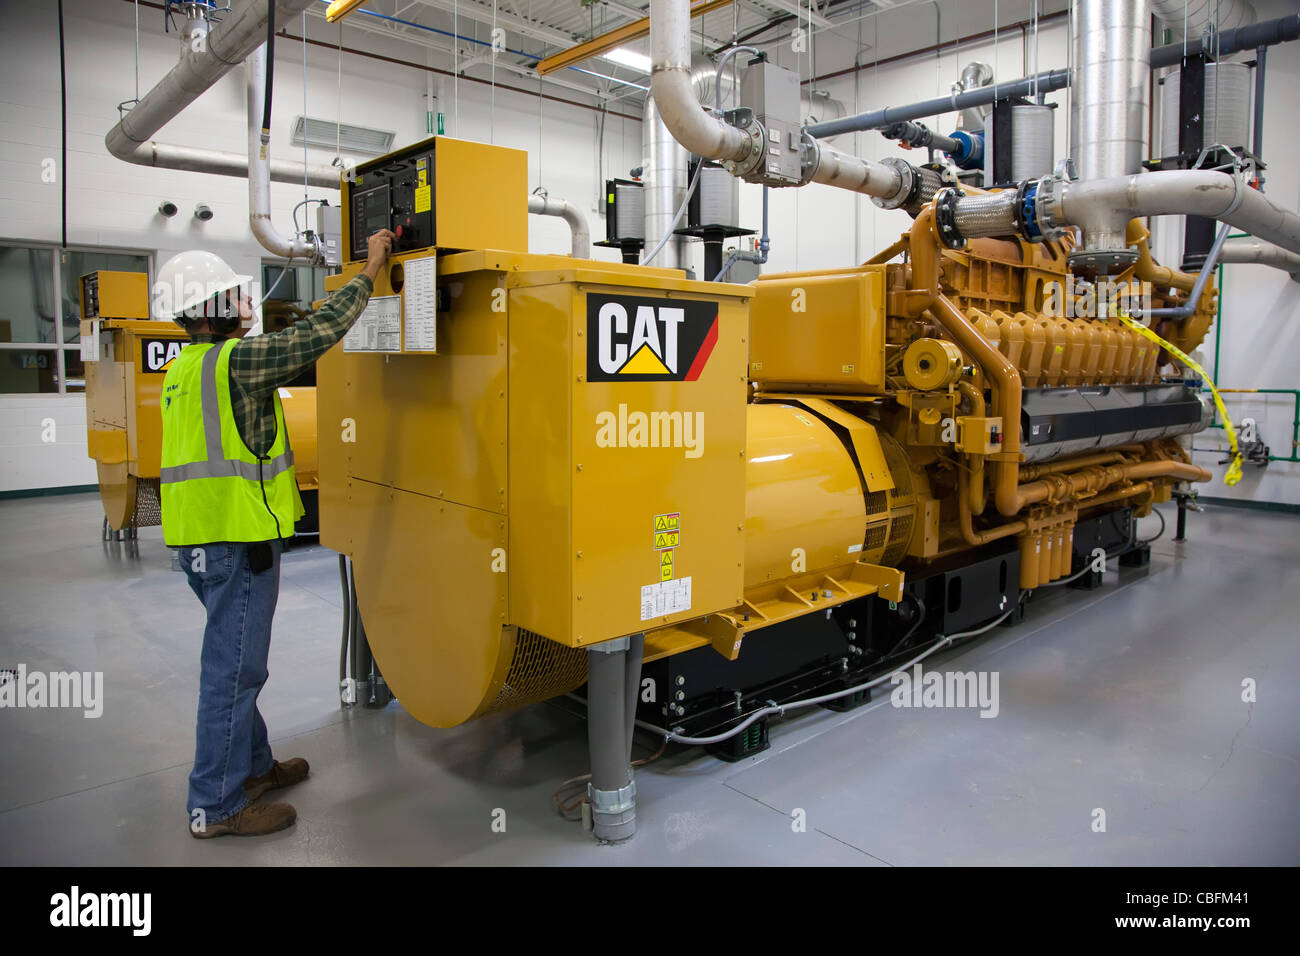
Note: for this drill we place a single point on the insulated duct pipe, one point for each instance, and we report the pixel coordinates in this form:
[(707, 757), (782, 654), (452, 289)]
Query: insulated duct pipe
[(218, 163), (227, 46), (259, 174), (1108, 109), (674, 93), (581, 233), (710, 137), (974, 76), (1105, 207), (1250, 249)]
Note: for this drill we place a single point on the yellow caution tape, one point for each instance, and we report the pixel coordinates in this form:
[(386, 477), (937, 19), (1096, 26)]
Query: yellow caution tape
[(1234, 470)]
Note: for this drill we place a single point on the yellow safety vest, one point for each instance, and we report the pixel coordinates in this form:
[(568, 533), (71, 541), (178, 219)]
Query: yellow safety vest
[(214, 488)]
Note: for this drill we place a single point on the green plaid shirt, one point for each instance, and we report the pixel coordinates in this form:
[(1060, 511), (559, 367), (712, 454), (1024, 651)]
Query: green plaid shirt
[(263, 363)]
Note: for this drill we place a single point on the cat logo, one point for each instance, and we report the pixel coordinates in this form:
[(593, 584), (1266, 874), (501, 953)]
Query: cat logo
[(157, 354), (640, 339)]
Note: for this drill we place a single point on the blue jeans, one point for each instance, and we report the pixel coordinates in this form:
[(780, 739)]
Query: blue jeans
[(231, 737)]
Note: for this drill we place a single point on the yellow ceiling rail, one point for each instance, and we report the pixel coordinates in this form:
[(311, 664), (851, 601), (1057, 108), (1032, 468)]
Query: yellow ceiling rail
[(615, 38), (340, 9)]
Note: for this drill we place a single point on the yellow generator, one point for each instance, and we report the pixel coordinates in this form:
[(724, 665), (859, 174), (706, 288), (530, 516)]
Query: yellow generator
[(126, 358), (708, 502)]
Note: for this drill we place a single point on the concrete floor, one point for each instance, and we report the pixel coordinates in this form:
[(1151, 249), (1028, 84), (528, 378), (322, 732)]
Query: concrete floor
[(1126, 699)]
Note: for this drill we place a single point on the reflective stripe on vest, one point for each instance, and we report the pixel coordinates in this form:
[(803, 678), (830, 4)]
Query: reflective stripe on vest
[(213, 487)]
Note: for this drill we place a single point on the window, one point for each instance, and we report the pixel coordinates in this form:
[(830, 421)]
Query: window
[(39, 331), (292, 290)]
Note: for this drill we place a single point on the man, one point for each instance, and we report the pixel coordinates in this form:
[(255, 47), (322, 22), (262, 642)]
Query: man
[(229, 497)]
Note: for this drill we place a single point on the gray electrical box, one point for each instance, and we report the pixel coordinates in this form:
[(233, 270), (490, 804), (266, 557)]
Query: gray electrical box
[(773, 94), (329, 228)]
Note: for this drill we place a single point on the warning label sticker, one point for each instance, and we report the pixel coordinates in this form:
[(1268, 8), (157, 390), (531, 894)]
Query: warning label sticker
[(668, 531), (666, 565), (666, 597)]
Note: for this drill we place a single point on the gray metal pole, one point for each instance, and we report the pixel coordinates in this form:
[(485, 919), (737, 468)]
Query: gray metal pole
[(632, 684), (612, 792), (1261, 55), (1047, 82)]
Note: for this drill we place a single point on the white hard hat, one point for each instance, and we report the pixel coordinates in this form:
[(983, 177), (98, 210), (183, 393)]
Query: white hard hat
[(188, 279)]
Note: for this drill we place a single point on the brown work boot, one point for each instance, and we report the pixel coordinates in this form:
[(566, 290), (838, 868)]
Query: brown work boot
[(256, 819), (280, 775)]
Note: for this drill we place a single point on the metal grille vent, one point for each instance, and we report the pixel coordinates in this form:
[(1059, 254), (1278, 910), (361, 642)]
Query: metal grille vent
[(539, 670), (900, 533), (148, 506)]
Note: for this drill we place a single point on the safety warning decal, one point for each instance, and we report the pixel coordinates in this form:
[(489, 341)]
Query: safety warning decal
[(666, 565), (666, 597), (640, 339), (668, 531)]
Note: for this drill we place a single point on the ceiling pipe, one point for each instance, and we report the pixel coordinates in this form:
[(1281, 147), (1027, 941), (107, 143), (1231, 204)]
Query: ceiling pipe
[(259, 174), (581, 233), (219, 163), (227, 45), (1268, 33)]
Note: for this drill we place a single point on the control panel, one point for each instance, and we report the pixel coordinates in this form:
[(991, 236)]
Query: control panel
[(399, 196), (440, 194)]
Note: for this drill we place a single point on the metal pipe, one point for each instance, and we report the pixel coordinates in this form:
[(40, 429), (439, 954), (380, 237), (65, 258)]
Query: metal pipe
[(1198, 289), (1266, 33), (581, 233), (1108, 105), (220, 163), (632, 684), (833, 168), (673, 90), (611, 791), (1047, 81), (259, 174), (1106, 205), (228, 45), (974, 76), (976, 492), (1147, 269), (1250, 249)]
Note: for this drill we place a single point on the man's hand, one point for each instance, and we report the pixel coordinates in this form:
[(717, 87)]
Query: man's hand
[(378, 247)]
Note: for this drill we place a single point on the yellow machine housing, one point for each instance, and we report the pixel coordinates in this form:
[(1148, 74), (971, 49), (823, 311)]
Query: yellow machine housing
[(123, 382), (601, 450)]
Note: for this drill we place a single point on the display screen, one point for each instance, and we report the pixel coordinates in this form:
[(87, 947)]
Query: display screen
[(370, 213)]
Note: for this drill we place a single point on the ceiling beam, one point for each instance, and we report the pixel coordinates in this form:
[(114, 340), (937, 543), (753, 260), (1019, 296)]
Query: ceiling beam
[(617, 37), (480, 14), (802, 12)]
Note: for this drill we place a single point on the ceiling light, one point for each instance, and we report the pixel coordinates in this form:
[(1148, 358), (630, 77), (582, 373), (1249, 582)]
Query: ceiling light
[(622, 55), (325, 134), (340, 9)]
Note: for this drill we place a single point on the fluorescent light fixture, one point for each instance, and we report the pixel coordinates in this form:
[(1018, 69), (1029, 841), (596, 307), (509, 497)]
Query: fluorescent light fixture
[(324, 134), (625, 57)]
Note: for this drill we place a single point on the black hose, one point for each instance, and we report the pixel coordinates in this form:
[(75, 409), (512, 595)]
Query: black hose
[(270, 71), (347, 619), (63, 110)]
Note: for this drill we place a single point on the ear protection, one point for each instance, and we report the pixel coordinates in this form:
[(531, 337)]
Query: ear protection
[(219, 310)]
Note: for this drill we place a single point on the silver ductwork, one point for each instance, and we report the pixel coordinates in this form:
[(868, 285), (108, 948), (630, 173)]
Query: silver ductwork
[(709, 136), (580, 247), (1105, 206), (1108, 108), (973, 76), (259, 174), (1252, 250), (227, 46), (219, 163), (674, 92)]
